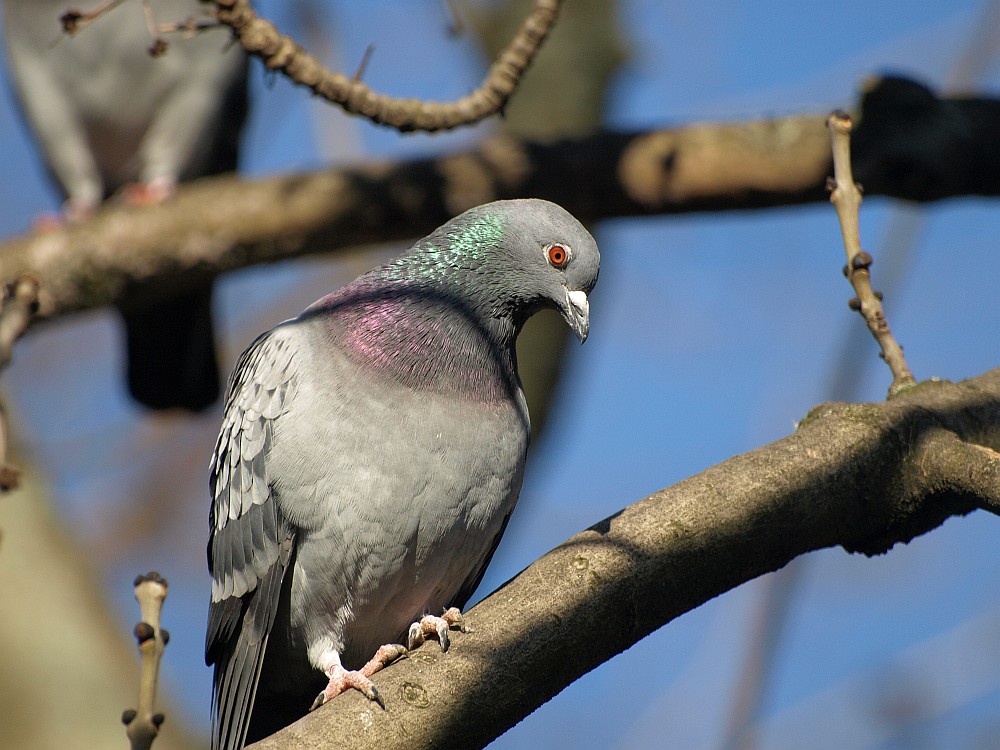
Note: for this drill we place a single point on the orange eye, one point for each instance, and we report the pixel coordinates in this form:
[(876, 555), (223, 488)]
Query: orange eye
[(558, 256)]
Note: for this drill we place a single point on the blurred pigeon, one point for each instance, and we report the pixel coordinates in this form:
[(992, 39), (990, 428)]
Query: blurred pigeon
[(110, 117), (370, 456)]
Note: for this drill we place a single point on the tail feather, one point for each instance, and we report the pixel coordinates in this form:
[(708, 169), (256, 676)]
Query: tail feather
[(171, 351), (238, 659)]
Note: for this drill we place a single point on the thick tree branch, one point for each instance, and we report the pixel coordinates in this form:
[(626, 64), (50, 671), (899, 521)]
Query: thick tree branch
[(279, 52), (958, 467), (858, 476)]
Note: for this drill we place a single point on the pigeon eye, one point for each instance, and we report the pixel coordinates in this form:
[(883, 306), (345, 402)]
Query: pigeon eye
[(558, 256)]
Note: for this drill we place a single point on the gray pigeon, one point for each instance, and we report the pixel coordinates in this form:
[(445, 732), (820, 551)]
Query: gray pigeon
[(370, 456), (108, 117)]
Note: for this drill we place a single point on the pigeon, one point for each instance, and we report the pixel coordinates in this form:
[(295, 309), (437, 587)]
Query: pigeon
[(109, 117), (371, 453)]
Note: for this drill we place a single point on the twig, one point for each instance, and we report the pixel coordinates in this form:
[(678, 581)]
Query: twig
[(17, 306), (363, 65), (279, 52), (73, 21), (455, 24), (159, 45), (846, 198), (77, 20), (142, 725), (187, 27), (19, 303), (10, 477)]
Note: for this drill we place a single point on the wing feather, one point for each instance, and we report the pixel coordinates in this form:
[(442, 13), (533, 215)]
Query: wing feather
[(250, 542)]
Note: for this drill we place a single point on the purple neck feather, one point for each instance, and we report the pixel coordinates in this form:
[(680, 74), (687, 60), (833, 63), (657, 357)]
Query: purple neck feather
[(423, 338)]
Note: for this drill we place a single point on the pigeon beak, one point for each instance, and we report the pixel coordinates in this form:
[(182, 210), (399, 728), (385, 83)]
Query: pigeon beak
[(577, 313)]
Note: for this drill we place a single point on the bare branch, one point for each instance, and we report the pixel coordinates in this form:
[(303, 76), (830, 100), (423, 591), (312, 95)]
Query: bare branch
[(279, 52), (846, 198), (219, 224), (363, 65), (851, 475), (74, 21), (19, 304), (10, 476), (962, 467), (142, 725)]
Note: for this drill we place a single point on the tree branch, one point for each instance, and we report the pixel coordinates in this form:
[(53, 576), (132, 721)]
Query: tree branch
[(17, 306), (222, 223), (279, 52), (957, 467), (858, 476)]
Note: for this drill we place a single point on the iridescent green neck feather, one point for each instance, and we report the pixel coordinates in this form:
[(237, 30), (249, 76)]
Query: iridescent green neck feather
[(428, 318)]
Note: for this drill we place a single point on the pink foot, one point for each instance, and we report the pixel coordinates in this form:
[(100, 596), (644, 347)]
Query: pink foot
[(76, 211), (73, 212), (433, 626), (148, 193), (48, 222), (342, 680)]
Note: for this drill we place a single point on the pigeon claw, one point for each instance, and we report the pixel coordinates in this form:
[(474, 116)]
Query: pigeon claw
[(437, 627), (371, 694), (342, 680)]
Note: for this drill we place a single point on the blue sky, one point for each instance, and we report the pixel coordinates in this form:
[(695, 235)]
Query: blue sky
[(711, 335)]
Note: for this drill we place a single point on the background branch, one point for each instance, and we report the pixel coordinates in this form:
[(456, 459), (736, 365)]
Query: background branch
[(66, 663), (219, 224), (18, 304), (279, 52), (142, 725), (850, 475)]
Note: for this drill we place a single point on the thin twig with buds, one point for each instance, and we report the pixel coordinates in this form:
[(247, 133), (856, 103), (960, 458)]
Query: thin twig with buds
[(142, 724), (846, 198)]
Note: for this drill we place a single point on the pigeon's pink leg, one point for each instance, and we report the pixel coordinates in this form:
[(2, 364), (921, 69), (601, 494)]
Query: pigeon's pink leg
[(431, 625), (342, 680), (149, 193)]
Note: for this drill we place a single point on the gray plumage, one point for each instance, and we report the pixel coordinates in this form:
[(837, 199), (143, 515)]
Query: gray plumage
[(371, 453), (107, 115)]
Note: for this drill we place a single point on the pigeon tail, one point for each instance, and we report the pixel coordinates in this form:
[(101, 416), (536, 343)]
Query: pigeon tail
[(171, 352)]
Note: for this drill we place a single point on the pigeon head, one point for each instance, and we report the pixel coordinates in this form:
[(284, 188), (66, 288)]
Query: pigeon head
[(513, 258), (446, 313)]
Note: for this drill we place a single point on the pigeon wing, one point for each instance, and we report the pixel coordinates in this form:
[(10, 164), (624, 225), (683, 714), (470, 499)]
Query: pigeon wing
[(250, 541)]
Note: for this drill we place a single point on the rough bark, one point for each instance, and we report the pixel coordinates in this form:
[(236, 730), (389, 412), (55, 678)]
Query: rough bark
[(860, 476)]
